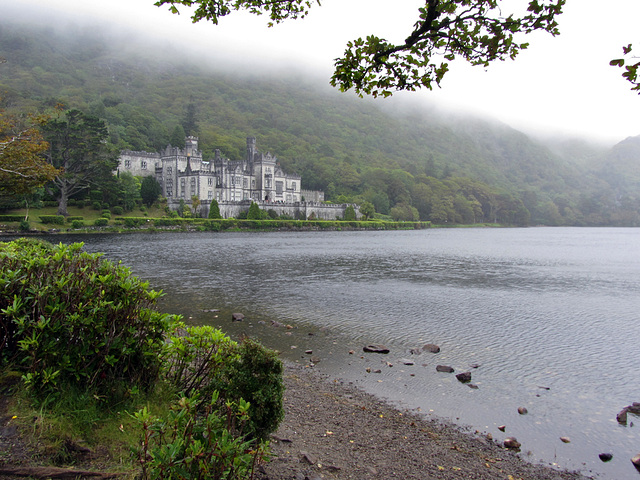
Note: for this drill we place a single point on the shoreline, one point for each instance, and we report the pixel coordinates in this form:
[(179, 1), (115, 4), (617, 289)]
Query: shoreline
[(334, 430)]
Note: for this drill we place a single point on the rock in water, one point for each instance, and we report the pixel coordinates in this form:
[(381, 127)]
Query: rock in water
[(636, 462), (376, 349), (464, 377), (430, 347), (605, 457), (565, 439), (522, 410), (622, 416), (511, 442), (237, 317), (444, 369)]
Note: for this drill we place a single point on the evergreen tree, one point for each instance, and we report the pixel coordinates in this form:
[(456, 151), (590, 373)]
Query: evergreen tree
[(254, 212), (350, 214), (214, 210), (150, 190)]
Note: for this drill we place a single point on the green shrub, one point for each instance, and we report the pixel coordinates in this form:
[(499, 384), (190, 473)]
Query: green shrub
[(52, 219), (71, 218), (118, 210), (102, 316), (80, 203), (205, 360), (24, 225), (96, 205), (11, 218), (189, 443), (77, 224), (101, 222), (106, 215)]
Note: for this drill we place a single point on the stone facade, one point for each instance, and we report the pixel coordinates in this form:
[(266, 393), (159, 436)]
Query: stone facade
[(183, 174)]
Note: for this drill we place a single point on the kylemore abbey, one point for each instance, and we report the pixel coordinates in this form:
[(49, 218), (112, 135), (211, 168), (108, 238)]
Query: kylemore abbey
[(183, 174)]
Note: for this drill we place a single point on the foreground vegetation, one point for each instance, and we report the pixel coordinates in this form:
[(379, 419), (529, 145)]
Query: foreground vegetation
[(88, 361)]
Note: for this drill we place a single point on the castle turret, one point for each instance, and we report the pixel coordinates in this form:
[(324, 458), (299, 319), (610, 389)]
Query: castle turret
[(251, 148), (191, 146)]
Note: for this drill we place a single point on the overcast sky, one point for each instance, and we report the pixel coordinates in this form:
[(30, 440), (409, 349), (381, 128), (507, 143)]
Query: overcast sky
[(559, 85)]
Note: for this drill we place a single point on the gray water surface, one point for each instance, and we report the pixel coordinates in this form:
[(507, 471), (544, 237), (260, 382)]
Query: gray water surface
[(550, 315)]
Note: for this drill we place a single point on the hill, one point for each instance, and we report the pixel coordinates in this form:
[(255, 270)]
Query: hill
[(405, 161)]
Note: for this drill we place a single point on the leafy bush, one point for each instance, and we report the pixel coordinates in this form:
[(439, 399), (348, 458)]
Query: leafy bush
[(11, 218), (71, 218), (205, 360), (68, 317), (118, 210), (96, 205), (191, 444), (77, 224), (101, 222), (52, 219), (24, 225), (106, 215)]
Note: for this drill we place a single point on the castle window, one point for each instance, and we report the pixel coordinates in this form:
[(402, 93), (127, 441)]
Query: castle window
[(210, 195), (169, 170), (245, 183), (210, 181), (143, 164), (279, 186), (293, 186), (127, 164)]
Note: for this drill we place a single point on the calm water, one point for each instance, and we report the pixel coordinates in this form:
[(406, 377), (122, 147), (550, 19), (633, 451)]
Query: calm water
[(553, 308)]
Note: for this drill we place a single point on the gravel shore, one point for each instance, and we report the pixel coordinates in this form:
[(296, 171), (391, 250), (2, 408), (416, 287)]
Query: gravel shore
[(333, 430)]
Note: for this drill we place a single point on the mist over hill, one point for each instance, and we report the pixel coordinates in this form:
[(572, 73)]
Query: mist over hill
[(404, 159)]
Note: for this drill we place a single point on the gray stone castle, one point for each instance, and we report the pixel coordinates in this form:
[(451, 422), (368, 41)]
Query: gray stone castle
[(183, 174)]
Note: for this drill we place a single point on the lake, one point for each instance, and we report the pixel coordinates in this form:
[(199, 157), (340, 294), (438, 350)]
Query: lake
[(549, 316)]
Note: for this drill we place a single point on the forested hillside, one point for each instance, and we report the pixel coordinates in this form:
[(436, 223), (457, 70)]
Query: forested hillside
[(406, 164)]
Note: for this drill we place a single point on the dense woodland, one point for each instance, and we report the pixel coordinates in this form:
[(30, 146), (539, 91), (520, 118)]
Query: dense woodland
[(409, 164)]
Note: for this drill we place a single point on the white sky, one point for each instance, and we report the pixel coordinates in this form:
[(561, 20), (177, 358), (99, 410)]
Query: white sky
[(559, 85)]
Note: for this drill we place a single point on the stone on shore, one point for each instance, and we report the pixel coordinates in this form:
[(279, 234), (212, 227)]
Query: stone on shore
[(464, 377), (237, 317), (512, 442), (444, 369), (376, 349)]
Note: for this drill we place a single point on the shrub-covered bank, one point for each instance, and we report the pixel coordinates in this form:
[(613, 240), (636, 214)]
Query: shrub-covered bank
[(58, 223), (88, 349)]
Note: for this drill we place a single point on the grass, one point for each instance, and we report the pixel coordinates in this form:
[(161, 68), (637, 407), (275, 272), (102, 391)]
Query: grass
[(59, 432)]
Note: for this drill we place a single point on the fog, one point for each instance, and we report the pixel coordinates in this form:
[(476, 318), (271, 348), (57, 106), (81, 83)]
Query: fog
[(559, 86)]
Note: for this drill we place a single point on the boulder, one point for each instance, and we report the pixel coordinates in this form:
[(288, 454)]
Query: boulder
[(605, 457), (430, 347), (565, 439), (622, 416), (406, 361), (376, 349), (502, 428), (444, 369), (636, 462), (237, 317), (464, 377), (522, 410), (634, 408), (512, 442)]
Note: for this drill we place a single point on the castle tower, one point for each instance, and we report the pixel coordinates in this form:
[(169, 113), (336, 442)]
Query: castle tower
[(191, 146), (251, 148)]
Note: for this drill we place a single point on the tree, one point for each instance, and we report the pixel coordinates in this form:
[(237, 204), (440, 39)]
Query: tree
[(631, 69), (349, 213), (254, 212), (150, 190), (214, 210), (78, 147), (475, 30), (195, 204), (367, 210), (22, 168)]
